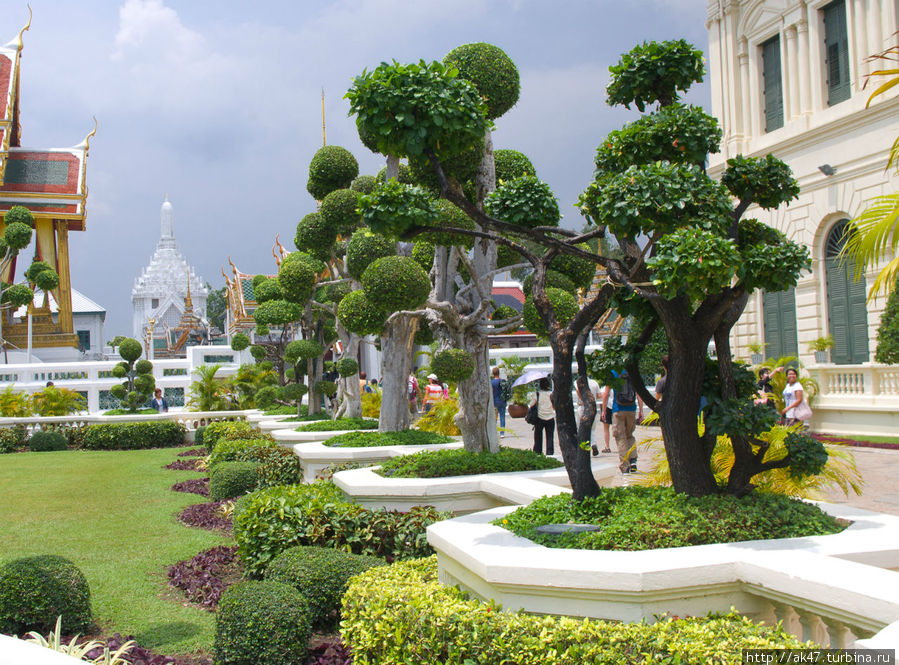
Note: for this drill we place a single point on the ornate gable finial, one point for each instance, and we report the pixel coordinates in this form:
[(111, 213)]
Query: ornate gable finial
[(17, 42)]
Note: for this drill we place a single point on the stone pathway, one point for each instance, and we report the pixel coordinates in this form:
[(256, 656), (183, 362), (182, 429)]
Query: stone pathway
[(879, 468)]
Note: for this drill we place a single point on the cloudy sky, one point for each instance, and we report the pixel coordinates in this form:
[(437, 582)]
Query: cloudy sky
[(218, 104)]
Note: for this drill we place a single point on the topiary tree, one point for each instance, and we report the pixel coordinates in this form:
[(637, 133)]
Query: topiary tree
[(240, 342), (139, 384), (332, 167), (888, 331)]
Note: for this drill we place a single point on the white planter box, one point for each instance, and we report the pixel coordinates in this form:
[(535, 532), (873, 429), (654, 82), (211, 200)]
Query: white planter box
[(315, 456)]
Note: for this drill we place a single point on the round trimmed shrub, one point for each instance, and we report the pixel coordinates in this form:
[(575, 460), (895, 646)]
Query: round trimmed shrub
[(258, 352), (511, 164), (346, 367), (359, 315), (46, 280), (35, 590), (302, 349), (524, 201), (230, 479), (364, 184), (579, 270), (564, 304), (503, 312), (315, 236), (321, 575), (317, 265), (45, 441), (332, 167), (258, 279), (267, 289), (240, 342), (491, 71), (277, 312), (143, 366), (553, 279), (396, 283), (263, 623), (449, 216), (340, 211), (364, 249), (17, 236), (292, 392), (423, 254), (35, 269), (18, 215), (130, 349), (452, 365), (18, 295), (326, 388)]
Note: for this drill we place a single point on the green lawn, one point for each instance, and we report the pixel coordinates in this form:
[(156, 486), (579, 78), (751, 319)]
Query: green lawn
[(112, 513)]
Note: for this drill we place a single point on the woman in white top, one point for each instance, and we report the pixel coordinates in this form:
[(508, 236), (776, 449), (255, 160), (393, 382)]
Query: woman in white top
[(793, 396), (546, 417)]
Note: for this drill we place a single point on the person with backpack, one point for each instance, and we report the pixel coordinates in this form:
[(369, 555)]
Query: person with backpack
[(625, 401), (546, 417), (501, 394)]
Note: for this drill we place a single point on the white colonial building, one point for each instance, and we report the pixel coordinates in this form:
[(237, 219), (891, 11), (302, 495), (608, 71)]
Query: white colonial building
[(788, 78), (159, 293)]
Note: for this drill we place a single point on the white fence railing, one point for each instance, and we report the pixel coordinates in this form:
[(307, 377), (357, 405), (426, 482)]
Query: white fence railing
[(856, 399)]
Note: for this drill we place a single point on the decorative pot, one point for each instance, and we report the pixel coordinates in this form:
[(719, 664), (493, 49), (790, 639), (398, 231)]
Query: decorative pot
[(517, 410), (820, 357)]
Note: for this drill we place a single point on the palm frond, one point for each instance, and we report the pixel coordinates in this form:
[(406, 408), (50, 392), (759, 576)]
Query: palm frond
[(871, 239)]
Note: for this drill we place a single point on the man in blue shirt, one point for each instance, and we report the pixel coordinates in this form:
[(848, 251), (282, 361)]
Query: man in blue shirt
[(625, 402)]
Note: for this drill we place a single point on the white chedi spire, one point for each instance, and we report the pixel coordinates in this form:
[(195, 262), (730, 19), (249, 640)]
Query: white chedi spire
[(167, 222)]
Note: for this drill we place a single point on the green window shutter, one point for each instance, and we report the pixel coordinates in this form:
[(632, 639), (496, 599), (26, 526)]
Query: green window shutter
[(846, 307), (836, 52), (779, 313), (773, 88)]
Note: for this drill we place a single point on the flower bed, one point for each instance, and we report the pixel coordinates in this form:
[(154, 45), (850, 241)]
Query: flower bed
[(363, 439), (447, 463)]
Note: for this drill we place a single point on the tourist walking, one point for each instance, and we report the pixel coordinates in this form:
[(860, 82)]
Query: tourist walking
[(625, 402), (546, 417), (796, 409), (433, 392), (604, 414), (499, 398)]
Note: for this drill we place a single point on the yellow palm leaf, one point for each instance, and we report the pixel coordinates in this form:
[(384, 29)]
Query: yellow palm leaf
[(872, 238)]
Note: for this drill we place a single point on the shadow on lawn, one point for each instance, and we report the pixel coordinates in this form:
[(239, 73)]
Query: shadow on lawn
[(172, 631)]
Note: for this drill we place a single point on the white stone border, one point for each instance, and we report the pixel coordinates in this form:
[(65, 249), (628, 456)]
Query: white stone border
[(822, 587), (18, 652)]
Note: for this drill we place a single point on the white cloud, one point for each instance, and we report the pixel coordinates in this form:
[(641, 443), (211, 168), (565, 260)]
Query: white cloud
[(150, 25)]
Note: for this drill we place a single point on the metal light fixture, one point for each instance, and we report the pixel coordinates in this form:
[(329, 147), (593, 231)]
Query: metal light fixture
[(827, 169)]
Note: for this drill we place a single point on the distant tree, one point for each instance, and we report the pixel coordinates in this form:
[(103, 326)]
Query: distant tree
[(216, 306), (888, 332)]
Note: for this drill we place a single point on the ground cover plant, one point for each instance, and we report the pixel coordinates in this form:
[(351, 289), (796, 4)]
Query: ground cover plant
[(210, 515), (444, 463), (312, 417), (642, 518), (886, 442), (204, 577), (448, 627), (120, 532), (339, 424), (193, 486), (409, 437)]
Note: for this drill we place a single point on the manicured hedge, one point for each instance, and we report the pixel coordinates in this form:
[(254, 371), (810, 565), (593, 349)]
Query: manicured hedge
[(339, 424), (642, 518), (231, 479), (444, 463), (134, 436), (409, 437), (35, 590), (277, 465), (271, 520), (321, 575), (227, 429), (261, 623), (433, 623), (12, 438), (49, 440)]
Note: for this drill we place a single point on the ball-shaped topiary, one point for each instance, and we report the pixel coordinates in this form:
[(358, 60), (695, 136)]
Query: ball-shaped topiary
[(261, 622), (503, 312), (564, 304), (19, 215), (44, 441), (326, 388), (462, 166), (277, 313), (120, 371), (340, 211), (364, 184), (258, 352), (332, 293), (17, 236), (452, 365), (18, 295), (144, 384), (292, 392), (403, 175), (268, 289), (315, 236), (364, 249), (580, 271), (232, 479), (265, 397), (302, 349), (130, 349), (240, 342), (332, 167), (34, 591), (396, 283), (423, 254), (258, 279), (296, 279), (511, 164), (553, 279), (321, 575), (35, 269), (143, 366), (347, 367), (491, 71), (359, 315), (118, 391), (46, 280), (262, 330), (449, 216), (524, 201)]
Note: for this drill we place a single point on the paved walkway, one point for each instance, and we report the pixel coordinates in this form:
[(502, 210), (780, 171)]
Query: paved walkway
[(879, 468)]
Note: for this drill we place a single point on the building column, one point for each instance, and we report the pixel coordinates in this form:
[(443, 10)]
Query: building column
[(888, 22), (804, 67), (754, 92), (785, 75), (876, 43), (728, 52), (791, 65), (857, 30), (65, 279), (816, 59), (716, 71), (745, 94)]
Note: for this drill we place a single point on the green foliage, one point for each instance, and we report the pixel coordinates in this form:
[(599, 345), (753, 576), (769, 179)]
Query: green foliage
[(332, 167), (441, 418), (564, 305), (302, 349), (227, 430), (347, 367), (18, 295), (268, 289), (277, 313), (692, 263), (768, 260), (553, 279), (365, 248), (35, 590), (449, 217), (396, 283), (261, 622), (766, 181), (453, 628), (808, 456), (14, 404), (452, 365), (292, 392), (364, 184), (42, 276), (53, 401), (18, 215), (321, 575), (491, 71), (510, 164), (580, 271), (405, 110), (232, 479), (409, 437), (239, 450), (462, 167), (676, 133), (444, 463), (524, 201), (12, 438), (654, 72), (130, 349), (503, 312), (269, 521), (240, 342), (315, 236), (888, 332), (339, 424), (17, 236), (258, 352), (738, 417), (423, 254), (393, 208), (134, 436), (340, 211), (43, 441), (143, 366), (296, 279), (644, 518)]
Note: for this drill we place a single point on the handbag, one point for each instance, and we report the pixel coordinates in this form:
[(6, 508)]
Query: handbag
[(803, 411), (531, 417)]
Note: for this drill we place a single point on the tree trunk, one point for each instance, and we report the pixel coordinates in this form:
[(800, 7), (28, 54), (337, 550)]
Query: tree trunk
[(350, 392), (396, 363), (476, 418)]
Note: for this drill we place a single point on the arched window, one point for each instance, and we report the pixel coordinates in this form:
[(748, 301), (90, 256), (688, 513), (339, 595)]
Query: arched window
[(846, 308), (779, 311)]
